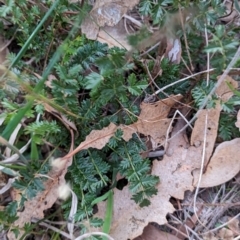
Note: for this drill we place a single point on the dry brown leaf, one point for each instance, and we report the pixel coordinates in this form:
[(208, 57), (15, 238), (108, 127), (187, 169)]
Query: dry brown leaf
[(223, 166), (90, 28), (225, 234), (212, 130), (234, 225), (3, 50), (3, 53), (49, 81), (96, 139), (106, 12), (174, 50), (223, 90), (69, 124), (34, 208), (231, 14), (152, 233), (237, 124), (210, 236), (109, 12), (114, 36), (175, 170), (129, 219), (152, 120)]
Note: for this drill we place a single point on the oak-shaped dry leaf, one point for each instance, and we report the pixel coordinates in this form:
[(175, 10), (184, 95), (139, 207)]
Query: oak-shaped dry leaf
[(175, 170), (223, 166), (153, 120), (129, 219), (152, 233)]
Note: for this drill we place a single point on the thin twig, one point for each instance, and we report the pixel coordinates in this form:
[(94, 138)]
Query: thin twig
[(133, 20), (223, 225), (182, 80), (54, 229), (185, 38), (150, 49), (125, 26), (187, 227), (169, 127), (177, 230), (201, 169), (184, 62), (208, 56), (150, 76)]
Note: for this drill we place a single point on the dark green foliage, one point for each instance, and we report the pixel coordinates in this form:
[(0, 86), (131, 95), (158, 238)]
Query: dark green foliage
[(88, 175), (223, 44), (11, 208), (200, 93), (30, 183), (88, 54), (42, 129), (135, 169), (227, 129)]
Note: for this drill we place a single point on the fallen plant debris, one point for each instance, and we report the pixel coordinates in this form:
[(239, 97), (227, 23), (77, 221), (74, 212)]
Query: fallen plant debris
[(129, 136), (174, 170)]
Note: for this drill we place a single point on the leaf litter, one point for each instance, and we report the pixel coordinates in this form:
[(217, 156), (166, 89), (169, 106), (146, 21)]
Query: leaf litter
[(182, 158), (179, 169)]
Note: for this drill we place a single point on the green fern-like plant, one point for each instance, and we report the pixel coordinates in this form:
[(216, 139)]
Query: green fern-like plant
[(227, 129)]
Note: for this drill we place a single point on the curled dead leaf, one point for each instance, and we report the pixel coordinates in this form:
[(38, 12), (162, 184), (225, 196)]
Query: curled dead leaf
[(223, 166)]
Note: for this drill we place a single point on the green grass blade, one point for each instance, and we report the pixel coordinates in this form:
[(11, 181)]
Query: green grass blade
[(100, 199), (109, 213), (16, 120), (34, 151), (21, 113), (31, 37)]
